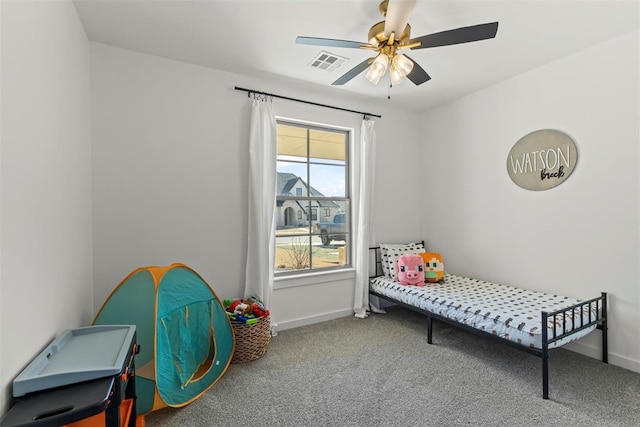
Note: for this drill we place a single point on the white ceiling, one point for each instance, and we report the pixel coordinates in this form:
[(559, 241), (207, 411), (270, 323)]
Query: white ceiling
[(257, 38)]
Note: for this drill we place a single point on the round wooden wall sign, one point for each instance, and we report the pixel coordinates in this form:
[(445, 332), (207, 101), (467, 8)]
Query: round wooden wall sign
[(542, 159)]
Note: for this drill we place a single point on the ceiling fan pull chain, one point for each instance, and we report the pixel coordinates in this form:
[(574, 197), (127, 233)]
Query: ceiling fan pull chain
[(389, 93)]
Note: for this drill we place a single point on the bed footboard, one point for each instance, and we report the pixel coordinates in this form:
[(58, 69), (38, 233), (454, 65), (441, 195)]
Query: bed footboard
[(597, 315)]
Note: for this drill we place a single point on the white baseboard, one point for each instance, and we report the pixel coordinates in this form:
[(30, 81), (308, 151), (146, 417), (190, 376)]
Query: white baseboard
[(596, 353), (304, 321)]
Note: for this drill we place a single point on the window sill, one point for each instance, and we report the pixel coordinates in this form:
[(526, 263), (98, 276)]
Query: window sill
[(306, 279)]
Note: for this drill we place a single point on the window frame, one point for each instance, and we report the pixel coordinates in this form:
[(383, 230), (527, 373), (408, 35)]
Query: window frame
[(308, 198)]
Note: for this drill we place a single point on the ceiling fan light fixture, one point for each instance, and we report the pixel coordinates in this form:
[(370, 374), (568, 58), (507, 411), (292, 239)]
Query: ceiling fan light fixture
[(403, 64), (400, 67), (378, 68), (396, 76), (393, 35)]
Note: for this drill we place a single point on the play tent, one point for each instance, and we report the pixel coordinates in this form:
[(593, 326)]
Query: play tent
[(185, 337)]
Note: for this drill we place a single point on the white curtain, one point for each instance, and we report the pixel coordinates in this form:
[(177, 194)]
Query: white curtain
[(363, 231), (262, 199)]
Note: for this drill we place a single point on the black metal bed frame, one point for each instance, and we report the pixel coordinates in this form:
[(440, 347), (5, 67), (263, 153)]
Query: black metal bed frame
[(600, 321)]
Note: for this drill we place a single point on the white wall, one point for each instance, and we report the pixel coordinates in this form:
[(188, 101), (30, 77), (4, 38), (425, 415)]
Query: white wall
[(579, 238), (46, 245), (170, 159)]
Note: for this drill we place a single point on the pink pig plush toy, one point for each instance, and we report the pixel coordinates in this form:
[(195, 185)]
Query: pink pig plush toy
[(411, 270)]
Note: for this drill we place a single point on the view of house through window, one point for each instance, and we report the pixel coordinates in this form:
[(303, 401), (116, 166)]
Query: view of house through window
[(313, 215)]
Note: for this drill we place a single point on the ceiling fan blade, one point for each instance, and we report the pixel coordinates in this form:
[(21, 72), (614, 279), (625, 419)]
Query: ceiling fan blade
[(457, 36), (316, 41), (417, 75), (398, 13), (353, 72)]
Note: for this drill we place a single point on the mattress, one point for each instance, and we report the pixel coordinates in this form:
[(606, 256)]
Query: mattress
[(511, 313)]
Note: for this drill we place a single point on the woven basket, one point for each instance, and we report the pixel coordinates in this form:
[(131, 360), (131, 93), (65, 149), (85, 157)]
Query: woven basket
[(252, 341)]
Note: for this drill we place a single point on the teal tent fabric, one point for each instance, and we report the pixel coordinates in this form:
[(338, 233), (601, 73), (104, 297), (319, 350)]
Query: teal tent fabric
[(185, 336)]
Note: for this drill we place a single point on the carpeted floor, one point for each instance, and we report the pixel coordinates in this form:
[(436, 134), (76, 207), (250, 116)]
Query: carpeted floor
[(381, 372)]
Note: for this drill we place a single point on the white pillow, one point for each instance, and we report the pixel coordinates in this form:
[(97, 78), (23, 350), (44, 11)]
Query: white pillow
[(389, 253), (383, 259)]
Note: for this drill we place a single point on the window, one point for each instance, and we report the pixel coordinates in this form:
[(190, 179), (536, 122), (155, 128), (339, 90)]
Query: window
[(312, 178)]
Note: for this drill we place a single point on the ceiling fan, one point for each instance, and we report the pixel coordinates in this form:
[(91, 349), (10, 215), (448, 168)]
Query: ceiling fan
[(387, 38)]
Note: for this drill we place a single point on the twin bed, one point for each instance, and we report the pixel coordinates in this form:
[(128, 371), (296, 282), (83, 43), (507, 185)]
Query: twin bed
[(508, 314)]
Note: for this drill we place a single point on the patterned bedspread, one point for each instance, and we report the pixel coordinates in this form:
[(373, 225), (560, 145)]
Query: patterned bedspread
[(509, 312)]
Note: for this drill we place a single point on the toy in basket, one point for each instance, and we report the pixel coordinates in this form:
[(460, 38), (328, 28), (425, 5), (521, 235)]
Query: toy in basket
[(251, 327)]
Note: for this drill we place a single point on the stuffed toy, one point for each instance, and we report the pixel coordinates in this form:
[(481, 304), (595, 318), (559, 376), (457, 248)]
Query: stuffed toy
[(232, 304), (252, 306), (257, 307), (411, 270), (239, 307), (433, 267)]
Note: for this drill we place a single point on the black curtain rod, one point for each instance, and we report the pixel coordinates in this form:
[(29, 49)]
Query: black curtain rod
[(250, 91)]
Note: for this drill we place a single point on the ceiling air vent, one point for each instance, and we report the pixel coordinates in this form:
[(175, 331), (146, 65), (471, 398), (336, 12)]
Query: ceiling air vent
[(327, 61)]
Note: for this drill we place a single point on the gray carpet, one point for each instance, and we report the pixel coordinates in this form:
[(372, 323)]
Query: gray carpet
[(381, 372)]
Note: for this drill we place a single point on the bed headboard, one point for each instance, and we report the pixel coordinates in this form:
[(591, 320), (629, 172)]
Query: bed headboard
[(375, 261)]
